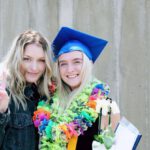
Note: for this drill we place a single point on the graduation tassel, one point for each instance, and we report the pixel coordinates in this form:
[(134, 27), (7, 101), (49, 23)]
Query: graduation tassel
[(109, 112), (99, 121), (109, 116)]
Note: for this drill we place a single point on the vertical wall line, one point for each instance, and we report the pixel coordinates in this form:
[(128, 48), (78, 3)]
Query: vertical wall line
[(118, 9), (66, 13), (145, 36), (1, 29)]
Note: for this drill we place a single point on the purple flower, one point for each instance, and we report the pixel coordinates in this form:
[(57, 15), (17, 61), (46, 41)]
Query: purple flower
[(95, 91)]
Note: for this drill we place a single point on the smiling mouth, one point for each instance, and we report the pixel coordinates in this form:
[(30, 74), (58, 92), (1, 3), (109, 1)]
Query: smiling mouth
[(72, 76), (32, 74)]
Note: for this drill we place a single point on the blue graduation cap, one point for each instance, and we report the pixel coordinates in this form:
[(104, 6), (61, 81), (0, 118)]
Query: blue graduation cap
[(68, 40)]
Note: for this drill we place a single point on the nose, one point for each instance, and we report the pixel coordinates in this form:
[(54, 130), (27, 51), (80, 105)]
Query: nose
[(70, 68), (34, 66)]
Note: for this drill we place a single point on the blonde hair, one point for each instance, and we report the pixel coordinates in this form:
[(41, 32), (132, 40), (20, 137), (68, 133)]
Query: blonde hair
[(15, 80), (64, 92)]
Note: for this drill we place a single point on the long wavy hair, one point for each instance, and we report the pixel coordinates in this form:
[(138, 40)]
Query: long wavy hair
[(64, 92), (15, 80)]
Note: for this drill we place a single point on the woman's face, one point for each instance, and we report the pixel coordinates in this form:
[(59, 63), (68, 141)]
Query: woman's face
[(33, 63), (70, 65)]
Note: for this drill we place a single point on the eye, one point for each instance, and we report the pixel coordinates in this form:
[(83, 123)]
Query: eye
[(26, 59), (78, 62), (42, 60), (62, 64)]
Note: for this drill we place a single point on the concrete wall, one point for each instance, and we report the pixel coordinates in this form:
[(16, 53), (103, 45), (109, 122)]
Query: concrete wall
[(124, 64)]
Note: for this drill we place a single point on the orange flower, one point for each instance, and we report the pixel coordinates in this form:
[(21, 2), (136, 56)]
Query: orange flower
[(64, 128), (91, 104), (41, 113)]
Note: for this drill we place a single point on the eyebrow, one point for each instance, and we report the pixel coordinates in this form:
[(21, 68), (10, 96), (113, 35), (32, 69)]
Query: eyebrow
[(72, 59), (31, 57)]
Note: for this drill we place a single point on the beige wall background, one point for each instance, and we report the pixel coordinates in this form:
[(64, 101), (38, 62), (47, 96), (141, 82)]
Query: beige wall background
[(125, 62)]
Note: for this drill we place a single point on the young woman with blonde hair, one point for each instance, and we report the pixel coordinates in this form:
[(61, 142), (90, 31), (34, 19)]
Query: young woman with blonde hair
[(70, 121), (25, 78)]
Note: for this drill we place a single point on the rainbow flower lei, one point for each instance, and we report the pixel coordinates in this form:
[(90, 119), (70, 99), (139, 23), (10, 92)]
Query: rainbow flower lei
[(56, 130)]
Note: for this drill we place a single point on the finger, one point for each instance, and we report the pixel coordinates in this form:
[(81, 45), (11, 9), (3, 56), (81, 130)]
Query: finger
[(2, 85), (3, 92), (3, 80)]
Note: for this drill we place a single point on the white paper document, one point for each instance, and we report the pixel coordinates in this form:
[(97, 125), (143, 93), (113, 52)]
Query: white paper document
[(127, 136)]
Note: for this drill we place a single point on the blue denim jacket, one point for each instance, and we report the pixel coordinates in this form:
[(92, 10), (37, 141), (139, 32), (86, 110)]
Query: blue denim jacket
[(17, 131)]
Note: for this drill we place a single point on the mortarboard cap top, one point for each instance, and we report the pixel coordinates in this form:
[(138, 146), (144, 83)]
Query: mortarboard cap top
[(68, 40)]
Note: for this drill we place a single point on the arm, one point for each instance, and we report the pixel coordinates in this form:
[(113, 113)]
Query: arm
[(115, 116)]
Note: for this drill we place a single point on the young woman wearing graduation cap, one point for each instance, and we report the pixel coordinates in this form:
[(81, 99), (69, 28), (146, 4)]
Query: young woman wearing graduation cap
[(70, 119)]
